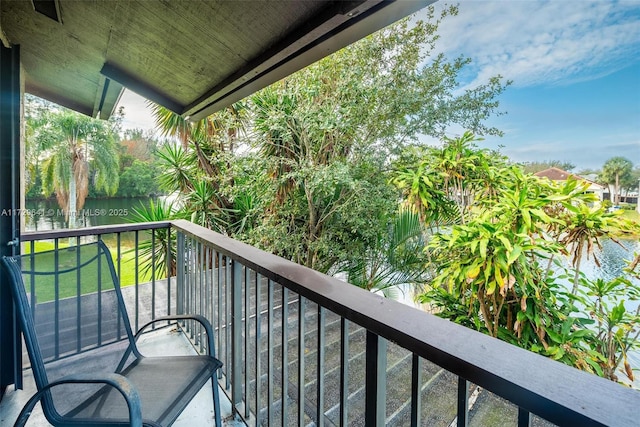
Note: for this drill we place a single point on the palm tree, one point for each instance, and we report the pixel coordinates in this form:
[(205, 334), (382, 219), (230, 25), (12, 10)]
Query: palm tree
[(158, 259), (72, 144), (210, 138), (615, 169), (398, 260)]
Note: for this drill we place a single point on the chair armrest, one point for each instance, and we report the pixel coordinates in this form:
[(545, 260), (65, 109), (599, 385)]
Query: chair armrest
[(119, 382), (198, 318)]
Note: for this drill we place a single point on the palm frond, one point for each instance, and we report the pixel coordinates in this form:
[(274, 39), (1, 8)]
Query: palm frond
[(155, 256)]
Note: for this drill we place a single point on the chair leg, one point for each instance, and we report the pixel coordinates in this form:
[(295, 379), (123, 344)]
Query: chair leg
[(216, 399)]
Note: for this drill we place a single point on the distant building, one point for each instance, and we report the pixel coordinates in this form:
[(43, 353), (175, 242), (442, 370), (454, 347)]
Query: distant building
[(555, 174)]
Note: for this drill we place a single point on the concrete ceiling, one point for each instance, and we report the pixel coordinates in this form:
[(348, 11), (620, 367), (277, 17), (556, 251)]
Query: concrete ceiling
[(193, 57)]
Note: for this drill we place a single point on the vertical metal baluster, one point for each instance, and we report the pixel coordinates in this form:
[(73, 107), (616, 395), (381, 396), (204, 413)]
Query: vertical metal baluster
[(375, 381), (153, 276), (207, 289), (32, 257), (190, 283), (258, 343), (214, 301), (416, 386), (193, 299), (188, 268), (463, 402), (185, 260), (285, 355), (270, 337), (193, 295), (227, 319), (247, 338), (220, 308), (57, 299), (180, 274), (193, 259), (320, 367), (119, 272), (524, 418), (344, 370), (78, 298), (137, 278), (202, 271), (236, 316), (99, 294), (301, 332), (168, 272)]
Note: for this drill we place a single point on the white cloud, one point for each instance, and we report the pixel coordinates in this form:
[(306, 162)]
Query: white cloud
[(553, 43), (136, 112)]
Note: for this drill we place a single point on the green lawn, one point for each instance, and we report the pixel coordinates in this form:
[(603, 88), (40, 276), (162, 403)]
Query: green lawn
[(632, 215), (67, 282)]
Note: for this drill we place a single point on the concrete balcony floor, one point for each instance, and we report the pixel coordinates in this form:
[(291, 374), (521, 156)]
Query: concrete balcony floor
[(164, 341)]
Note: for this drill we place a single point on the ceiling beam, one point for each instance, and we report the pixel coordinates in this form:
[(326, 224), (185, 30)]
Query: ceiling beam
[(340, 28), (331, 17), (140, 87), (45, 93), (107, 97)]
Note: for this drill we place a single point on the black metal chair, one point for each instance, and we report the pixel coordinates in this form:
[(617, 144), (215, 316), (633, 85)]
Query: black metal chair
[(84, 355)]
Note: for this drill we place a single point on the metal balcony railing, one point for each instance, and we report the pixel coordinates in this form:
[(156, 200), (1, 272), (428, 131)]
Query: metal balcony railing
[(302, 348)]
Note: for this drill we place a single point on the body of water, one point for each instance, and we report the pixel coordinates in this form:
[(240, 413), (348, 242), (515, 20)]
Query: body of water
[(43, 215), (612, 259)]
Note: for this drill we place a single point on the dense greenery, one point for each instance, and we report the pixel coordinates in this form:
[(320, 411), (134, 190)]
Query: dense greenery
[(139, 170), (494, 267), (296, 168), (75, 157), (325, 168), (313, 169)]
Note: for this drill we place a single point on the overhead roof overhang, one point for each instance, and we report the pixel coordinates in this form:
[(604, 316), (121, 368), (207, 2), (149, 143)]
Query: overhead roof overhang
[(193, 57)]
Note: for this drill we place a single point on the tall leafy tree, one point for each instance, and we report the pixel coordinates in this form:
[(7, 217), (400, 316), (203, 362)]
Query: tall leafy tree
[(138, 166), (631, 181), (36, 111), (319, 128), (74, 149), (615, 170)]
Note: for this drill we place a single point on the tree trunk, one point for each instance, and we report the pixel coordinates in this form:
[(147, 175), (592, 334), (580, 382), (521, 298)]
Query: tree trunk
[(72, 208)]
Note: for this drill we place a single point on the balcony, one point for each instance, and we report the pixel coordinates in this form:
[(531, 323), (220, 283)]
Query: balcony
[(302, 348)]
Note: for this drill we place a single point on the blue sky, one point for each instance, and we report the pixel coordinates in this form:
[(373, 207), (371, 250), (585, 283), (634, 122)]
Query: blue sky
[(575, 67)]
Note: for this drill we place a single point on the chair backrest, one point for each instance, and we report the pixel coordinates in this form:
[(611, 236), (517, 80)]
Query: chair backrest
[(72, 315)]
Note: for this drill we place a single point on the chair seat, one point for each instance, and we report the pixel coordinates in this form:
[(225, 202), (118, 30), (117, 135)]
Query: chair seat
[(165, 386)]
